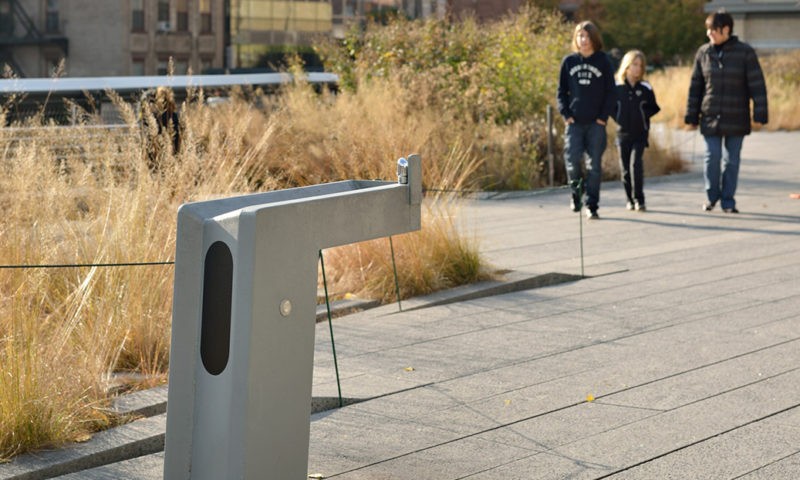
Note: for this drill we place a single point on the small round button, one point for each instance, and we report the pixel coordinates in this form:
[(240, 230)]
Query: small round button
[(286, 307)]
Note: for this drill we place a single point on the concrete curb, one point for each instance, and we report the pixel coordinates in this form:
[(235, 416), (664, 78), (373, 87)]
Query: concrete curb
[(132, 440)]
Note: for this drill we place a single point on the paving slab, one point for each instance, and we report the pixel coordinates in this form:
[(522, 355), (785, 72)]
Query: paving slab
[(786, 467), (146, 467), (739, 453)]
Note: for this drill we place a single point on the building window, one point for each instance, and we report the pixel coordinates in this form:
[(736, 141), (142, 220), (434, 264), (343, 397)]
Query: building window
[(137, 15), (163, 66), (351, 8), (163, 11), (205, 65), (51, 17), (137, 66), (181, 66), (182, 16), (6, 19), (205, 16)]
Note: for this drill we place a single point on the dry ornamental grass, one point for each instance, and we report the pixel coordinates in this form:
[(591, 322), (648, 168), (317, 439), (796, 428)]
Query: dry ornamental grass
[(87, 195)]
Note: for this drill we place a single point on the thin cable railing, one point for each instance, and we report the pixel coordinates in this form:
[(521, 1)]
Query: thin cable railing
[(84, 265)]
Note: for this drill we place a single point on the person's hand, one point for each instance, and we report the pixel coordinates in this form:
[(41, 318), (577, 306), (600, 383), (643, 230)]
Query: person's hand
[(691, 126), (570, 121), (601, 122)]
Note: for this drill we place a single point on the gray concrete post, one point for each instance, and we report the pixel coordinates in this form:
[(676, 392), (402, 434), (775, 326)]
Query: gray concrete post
[(244, 305)]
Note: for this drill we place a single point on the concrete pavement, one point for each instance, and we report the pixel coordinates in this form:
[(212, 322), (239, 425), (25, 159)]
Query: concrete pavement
[(676, 356), (685, 337)]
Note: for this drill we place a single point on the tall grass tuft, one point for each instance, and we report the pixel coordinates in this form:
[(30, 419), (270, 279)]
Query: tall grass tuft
[(782, 73), (437, 257), (85, 195)]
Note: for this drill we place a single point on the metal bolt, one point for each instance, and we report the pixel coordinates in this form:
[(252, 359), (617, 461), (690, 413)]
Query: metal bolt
[(402, 171), (286, 307)]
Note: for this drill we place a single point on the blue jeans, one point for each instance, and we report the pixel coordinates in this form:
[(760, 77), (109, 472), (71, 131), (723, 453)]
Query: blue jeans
[(723, 188), (587, 138)]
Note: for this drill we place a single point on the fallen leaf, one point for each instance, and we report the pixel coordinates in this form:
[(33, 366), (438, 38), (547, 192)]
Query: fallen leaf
[(590, 398), (409, 369)]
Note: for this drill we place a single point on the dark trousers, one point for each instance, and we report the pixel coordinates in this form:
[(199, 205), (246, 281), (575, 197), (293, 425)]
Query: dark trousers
[(632, 167)]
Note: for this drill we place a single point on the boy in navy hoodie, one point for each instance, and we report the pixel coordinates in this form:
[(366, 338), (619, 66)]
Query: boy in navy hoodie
[(636, 103), (585, 100)]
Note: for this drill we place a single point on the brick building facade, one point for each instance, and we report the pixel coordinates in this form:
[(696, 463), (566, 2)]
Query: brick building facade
[(110, 38)]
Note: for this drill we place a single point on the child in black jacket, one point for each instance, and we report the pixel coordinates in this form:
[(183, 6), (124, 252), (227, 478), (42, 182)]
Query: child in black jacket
[(636, 103)]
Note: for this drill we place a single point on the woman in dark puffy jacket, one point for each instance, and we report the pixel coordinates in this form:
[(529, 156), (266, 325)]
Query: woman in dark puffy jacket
[(726, 76), (636, 103)]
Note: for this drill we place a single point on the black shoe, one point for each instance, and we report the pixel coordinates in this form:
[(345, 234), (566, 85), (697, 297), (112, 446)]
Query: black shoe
[(591, 214), (730, 210), (708, 206), (575, 203)]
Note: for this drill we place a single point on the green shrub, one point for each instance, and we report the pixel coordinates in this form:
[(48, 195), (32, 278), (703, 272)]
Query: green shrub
[(503, 71)]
